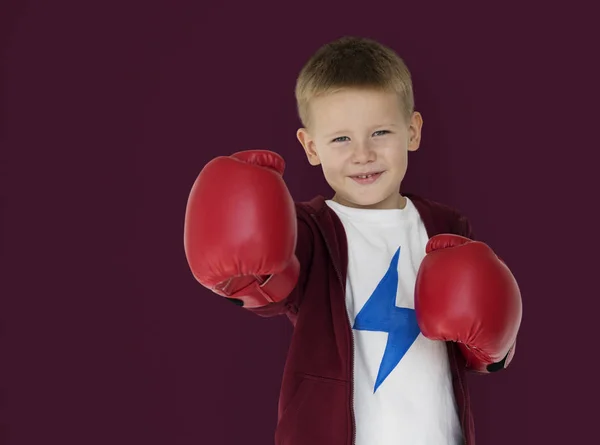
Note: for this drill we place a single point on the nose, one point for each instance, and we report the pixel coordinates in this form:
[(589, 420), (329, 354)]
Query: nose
[(363, 153)]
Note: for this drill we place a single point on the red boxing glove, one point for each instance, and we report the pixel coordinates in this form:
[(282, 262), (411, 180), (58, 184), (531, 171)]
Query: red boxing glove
[(240, 229), (466, 294)]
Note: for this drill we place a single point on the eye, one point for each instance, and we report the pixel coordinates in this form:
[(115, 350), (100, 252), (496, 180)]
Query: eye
[(380, 132), (340, 139)]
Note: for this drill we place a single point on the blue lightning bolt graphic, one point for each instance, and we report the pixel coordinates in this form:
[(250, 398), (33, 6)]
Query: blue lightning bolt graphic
[(380, 314)]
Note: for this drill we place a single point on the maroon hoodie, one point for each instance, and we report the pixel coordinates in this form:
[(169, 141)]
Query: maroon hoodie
[(316, 398)]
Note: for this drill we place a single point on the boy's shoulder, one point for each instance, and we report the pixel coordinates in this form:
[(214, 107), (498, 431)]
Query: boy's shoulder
[(439, 208), (313, 206), (440, 217)]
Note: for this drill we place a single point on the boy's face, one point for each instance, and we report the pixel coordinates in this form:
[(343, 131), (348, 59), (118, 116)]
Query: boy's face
[(358, 132)]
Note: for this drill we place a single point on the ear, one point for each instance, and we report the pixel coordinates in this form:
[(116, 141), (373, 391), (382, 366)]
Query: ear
[(309, 146), (414, 131)]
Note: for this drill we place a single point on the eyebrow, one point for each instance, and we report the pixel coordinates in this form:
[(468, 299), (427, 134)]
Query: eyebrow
[(348, 131), (336, 133)]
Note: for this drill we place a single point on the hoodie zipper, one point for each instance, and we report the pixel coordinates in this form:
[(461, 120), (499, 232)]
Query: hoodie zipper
[(352, 352)]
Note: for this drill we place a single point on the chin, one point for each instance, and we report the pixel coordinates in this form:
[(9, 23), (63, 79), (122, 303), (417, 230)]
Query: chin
[(377, 195)]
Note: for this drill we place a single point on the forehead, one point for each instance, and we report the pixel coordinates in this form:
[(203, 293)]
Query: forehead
[(354, 107)]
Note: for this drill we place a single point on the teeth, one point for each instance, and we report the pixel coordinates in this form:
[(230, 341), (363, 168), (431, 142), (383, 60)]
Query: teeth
[(365, 176)]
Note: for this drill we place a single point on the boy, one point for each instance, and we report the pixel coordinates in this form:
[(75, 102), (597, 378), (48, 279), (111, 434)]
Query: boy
[(390, 299)]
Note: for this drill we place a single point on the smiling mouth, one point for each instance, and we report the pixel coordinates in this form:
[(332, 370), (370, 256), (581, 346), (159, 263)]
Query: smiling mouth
[(368, 178)]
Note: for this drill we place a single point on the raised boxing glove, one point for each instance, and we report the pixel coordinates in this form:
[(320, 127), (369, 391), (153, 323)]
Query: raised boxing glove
[(240, 229), (466, 294)]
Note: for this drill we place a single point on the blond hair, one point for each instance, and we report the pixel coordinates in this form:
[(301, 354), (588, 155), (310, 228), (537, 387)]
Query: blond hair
[(353, 62)]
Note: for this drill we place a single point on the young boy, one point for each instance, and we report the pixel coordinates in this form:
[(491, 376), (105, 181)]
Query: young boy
[(391, 300)]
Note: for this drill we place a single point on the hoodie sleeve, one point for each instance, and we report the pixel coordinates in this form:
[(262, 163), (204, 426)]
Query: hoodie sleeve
[(304, 252)]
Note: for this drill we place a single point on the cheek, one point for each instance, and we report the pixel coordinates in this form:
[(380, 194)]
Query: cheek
[(332, 162), (401, 163), (396, 154), (331, 171)]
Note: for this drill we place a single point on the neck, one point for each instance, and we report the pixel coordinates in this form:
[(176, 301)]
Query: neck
[(396, 201)]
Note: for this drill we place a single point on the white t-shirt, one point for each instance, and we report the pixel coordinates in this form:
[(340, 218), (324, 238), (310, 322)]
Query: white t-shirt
[(402, 382)]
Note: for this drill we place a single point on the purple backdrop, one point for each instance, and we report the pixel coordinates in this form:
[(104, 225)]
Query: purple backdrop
[(111, 108)]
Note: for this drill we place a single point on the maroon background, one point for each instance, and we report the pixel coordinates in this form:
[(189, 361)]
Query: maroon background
[(111, 108)]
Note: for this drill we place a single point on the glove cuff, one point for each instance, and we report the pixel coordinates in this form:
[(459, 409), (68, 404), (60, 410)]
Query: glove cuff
[(259, 292)]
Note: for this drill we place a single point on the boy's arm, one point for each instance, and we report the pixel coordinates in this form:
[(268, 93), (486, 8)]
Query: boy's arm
[(291, 304), (466, 294), (240, 231)]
